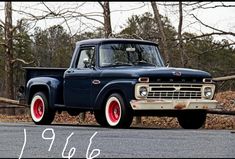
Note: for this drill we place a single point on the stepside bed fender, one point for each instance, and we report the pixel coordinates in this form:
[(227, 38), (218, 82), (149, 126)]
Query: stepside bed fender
[(52, 87)]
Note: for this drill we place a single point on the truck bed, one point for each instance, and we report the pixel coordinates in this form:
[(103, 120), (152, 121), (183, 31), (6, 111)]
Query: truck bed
[(32, 72), (58, 73)]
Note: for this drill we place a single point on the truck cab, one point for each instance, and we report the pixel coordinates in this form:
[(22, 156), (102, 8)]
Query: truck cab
[(117, 79)]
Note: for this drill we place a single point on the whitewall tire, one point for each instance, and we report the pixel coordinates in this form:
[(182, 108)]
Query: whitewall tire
[(118, 114), (40, 111)]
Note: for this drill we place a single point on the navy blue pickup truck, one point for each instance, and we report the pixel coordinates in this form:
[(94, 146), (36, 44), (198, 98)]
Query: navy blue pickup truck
[(117, 79)]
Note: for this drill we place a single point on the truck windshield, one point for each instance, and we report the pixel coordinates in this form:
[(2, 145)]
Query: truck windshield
[(129, 54)]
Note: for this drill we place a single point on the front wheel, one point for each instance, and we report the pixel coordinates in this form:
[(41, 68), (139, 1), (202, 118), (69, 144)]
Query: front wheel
[(117, 112), (40, 111), (192, 120)]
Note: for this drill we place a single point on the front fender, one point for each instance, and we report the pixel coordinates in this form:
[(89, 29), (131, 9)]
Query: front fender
[(51, 86), (125, 87)]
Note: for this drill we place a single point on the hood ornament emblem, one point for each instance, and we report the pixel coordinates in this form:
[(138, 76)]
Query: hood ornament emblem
[(176, 73)]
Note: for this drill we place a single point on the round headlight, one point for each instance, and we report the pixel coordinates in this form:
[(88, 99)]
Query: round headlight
[(143, 91), (208, 92)]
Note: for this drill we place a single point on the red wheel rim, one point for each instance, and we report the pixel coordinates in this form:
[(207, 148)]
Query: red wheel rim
[(114, 111), (38, 108)]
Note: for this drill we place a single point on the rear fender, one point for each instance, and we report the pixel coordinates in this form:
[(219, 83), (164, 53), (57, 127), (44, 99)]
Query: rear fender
[(52, 87)]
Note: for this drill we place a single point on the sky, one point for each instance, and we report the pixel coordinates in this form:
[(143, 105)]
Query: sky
[(221, 18)]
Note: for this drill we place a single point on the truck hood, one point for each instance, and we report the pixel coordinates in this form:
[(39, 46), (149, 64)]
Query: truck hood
[(168, 72)]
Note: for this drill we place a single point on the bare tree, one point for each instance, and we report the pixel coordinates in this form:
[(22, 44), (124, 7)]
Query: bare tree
[(8, 45), (64, 13), (157, 18), (74, 13)]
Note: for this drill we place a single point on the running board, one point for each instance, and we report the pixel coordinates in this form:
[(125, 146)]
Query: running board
[(59, 105)]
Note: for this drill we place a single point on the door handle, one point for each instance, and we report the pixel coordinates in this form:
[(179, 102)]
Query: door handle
[(96, 81)]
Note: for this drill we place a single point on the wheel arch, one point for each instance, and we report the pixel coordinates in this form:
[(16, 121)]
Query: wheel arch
[(124, 88), (49, 86), (118, 91), (38, 88)]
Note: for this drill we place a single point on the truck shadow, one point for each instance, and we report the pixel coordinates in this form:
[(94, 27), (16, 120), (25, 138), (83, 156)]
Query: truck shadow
[(98, 126)]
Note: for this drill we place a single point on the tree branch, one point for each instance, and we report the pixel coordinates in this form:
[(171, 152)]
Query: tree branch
[(102, 5), (123, 10), (221, 31), (85, 16), (211, 50), (4, 44), (53, 13), (205, 35), (218, 6), (2, 23), (34, 17), (18, 25), (22, 61)]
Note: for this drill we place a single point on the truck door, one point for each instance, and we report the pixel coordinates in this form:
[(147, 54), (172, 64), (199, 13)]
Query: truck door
[(77, 80)]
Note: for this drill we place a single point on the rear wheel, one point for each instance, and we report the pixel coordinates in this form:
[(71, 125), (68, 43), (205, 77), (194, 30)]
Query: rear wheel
[(40, 111), (117, 113), (192, 120)]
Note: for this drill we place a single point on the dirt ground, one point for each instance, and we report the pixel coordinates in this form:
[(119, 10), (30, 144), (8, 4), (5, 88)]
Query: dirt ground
[(213, 121)]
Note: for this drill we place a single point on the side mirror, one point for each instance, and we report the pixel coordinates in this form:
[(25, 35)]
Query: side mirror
[(168, 64)]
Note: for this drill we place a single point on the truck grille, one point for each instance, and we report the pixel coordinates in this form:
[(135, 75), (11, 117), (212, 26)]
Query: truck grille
[(175, 91)]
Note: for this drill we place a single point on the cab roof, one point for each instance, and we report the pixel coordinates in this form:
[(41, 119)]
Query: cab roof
[(110, 40)]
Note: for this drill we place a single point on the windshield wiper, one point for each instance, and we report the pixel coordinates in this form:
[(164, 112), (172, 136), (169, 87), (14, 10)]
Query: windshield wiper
[(116, 64), (144, 62)]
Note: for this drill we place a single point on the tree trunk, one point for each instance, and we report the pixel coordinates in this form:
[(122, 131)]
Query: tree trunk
[(107, 21), (8, 51), (157, 18), (181, 49), (183, 57)]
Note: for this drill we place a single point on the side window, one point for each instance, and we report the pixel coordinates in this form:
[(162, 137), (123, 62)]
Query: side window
[(86, 57)]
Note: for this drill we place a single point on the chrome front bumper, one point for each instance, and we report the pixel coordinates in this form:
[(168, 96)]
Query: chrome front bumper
[(153, 104)]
